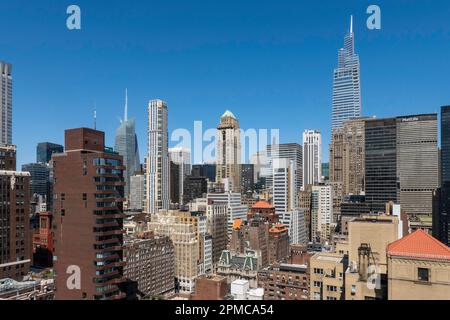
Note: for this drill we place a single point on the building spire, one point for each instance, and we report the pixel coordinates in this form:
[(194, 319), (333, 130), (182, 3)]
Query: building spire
[(95, 117), (125, 119), (351, 24)]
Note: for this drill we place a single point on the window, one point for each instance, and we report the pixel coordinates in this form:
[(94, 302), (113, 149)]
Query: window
[(423, 274)]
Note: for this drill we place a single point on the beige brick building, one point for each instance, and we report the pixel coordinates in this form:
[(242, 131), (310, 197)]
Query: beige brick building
[(418, 268), (327, 273)]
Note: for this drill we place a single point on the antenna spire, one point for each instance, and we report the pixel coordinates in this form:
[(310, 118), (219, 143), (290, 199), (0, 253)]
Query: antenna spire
[(125, 119), (95, 117), (351, 24)]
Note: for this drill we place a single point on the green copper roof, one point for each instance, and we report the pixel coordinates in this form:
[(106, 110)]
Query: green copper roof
[(229, 114)]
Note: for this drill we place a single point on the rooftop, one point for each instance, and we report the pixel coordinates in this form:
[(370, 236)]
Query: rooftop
[(228, 114), (419, 245), (262, 205)]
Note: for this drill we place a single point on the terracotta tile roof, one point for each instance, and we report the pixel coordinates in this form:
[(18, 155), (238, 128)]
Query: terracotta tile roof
[(419, 245), (262, 205)]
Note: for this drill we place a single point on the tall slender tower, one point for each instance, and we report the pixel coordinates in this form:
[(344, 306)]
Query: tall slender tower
[(5, 103), (312, 157), (157, 168), (347, 83), (229, 151), (127, 146)]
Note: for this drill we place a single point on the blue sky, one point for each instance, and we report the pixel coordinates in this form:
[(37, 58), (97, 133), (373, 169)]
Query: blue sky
[(270, 62)]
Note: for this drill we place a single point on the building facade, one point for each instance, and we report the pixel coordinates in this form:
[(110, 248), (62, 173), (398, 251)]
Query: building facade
[(15, 234), (292, 152), (418, 268), (417, 163), (88, 218), (157, 168), (45, 150), (182, 158), (312, 157), (151, 263), (6, 94), (229, 151)]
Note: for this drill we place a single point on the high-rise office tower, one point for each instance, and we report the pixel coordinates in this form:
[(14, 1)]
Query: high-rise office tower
[(45, 150), (347, 83), (285, 199), (336, 156), (137, 192), (235, 208), (441, 208), (157, 168), (127, 146), (204, 170), (174, 185), (229, 151), (417, 162), (312, 157), (353, 166), (401, 160), (291, 151), (88, 216), (15, 236), (39, 180), (284, 185), (182, 158), (321, 212), (445, 145), (381, 162), (6, 91), (247, 178)]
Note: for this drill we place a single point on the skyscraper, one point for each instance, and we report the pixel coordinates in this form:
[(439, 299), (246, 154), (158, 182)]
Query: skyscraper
[(127, 146), (88, 215), (381, 162), (347, 83), (441, 207), (229, 151), (40, 179), (445, 144), (182, 158), (157, 168), (312, 157), (45, 150), (6, 103), (291, 151), (417, 162), (401, 160), (354, 156)]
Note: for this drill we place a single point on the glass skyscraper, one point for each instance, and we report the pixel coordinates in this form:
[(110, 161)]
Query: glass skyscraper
[(45, 150), (347, 83), (127, 147)]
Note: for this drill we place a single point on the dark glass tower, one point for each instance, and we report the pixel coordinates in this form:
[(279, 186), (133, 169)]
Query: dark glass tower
[(381, 162), (45, 150), (441, 208)]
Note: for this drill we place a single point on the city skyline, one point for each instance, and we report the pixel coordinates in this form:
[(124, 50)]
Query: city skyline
[(300, 65)]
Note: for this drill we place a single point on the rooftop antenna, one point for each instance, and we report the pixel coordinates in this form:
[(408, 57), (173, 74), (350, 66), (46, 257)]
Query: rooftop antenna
[(126, 106)]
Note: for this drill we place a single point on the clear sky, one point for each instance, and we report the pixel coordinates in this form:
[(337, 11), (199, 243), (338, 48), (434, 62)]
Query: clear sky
[(270, 62)]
